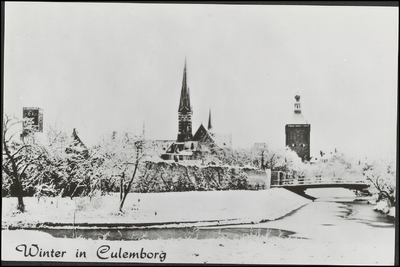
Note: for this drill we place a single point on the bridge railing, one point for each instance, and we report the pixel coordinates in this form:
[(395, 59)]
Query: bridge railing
[(282, 180)]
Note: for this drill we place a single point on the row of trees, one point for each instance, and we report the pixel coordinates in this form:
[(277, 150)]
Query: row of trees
[(58, 166)]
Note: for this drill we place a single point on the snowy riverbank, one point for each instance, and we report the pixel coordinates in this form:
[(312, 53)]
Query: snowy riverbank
[(215, 207), (331, 238)]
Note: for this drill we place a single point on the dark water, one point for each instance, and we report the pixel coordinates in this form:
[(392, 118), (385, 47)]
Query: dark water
[(362, 212)]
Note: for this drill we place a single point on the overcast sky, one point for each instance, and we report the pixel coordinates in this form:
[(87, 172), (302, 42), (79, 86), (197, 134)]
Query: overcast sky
[(103, 67)]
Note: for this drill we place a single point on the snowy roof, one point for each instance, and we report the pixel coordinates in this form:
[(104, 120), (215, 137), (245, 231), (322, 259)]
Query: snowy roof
[(298, 119)]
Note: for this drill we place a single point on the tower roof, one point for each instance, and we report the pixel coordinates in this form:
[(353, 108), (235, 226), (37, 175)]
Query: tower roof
[(184, 103), (76, 145), (298, 119)]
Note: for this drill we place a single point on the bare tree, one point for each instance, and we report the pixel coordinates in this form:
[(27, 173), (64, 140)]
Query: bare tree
[(20, 158), (264, 157), (120, 160)]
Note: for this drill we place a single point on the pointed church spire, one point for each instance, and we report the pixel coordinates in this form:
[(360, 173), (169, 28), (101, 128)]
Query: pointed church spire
[(209, 121), (184, 102), (185, 112)]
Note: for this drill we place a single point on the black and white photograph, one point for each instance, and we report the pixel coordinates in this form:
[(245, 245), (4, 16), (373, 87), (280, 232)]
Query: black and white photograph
[(199, 133)]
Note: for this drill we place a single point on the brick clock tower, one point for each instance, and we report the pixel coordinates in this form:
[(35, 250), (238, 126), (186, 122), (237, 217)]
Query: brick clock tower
[(185, 112), (298, 133)]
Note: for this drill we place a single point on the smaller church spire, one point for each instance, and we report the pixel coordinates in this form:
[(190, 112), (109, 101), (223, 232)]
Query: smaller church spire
[(209, 121)]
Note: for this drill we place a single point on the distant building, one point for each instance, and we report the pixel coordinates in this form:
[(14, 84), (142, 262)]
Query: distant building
[(298, 133), (157, 147), (187, 145), (76, 146), (30, 131), (36, 114)]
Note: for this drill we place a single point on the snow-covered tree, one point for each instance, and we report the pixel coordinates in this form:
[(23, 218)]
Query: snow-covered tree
[(119, 160), (288, 161), (336, 166), (69, 165), (382, 176), (265, 158), (20, 157)]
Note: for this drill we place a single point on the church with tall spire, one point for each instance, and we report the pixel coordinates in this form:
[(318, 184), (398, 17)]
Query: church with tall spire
[(187, 145), (185, 112), (298, 133)]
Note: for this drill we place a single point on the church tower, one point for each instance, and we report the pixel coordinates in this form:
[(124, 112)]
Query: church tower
[(185, 112), (298, 133)]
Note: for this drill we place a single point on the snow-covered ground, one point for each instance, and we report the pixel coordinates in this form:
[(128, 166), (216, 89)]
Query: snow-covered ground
[(235, 206), (241, 206)]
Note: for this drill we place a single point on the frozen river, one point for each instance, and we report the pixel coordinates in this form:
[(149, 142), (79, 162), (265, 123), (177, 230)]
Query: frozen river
[(328, 218), (335, 216)]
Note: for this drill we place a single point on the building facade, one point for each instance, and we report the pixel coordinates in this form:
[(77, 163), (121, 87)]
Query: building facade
[(298, 133)]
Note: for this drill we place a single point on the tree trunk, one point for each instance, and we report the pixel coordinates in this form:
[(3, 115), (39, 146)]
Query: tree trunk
[(121, 187), (128, 188), (21, 206), (20, 192), (76, 188)]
